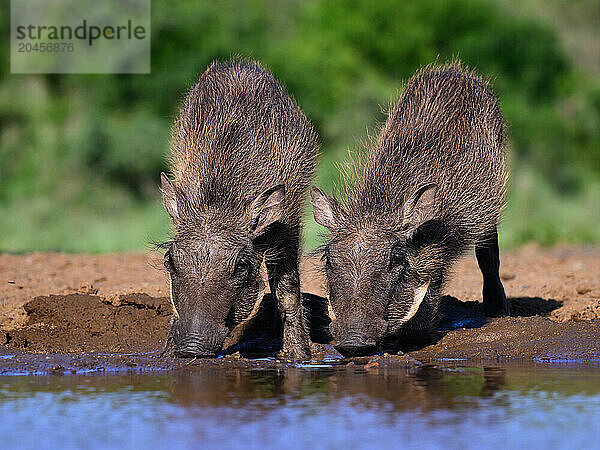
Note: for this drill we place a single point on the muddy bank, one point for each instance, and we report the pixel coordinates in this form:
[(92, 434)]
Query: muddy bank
[(118, 304), (569, 276), (24, 363), (12, 363), (528, 338), (83, 333)]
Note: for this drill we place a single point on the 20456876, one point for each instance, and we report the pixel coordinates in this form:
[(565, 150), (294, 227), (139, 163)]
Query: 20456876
[(46, 47)]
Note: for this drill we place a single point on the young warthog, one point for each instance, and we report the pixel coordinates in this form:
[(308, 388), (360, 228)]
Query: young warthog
[(243, 155), (432, 186)]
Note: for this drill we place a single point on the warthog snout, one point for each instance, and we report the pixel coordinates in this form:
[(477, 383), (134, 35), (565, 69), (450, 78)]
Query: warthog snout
[(356, 345), (200, 341)]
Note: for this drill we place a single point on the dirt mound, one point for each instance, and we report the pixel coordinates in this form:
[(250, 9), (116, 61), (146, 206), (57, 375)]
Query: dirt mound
[(88, 323)]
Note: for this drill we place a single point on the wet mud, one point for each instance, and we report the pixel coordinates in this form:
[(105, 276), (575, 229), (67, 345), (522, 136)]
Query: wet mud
[(89, 323)]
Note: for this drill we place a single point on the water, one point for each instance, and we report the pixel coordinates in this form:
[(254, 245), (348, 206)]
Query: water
[(318, 407)]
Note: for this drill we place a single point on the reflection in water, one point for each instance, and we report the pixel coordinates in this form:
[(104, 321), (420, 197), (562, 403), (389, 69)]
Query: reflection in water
[(352, 406), (494, 378), (429, 389)]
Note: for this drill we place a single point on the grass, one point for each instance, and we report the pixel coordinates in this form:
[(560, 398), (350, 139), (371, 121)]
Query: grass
[(43, 226)]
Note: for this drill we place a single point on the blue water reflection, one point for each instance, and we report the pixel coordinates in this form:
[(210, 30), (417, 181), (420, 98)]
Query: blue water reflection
[(492, 407)]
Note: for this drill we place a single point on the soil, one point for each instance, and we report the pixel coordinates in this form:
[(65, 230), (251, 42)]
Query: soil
[(94, 310), (89, 323)]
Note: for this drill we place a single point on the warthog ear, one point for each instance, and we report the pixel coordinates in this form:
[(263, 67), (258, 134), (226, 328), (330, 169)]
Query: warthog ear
[(420, 207), (325, 208), (266, 209), (169, 197)]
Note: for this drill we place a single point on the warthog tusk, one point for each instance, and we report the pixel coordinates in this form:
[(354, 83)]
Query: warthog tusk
[(418, 297), (235, 335), (175, 312), (330, 311)]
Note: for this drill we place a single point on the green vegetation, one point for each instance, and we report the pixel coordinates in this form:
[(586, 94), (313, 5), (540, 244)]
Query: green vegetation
[(81, 154)]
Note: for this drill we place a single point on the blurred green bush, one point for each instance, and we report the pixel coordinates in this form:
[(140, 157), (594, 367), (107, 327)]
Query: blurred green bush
[(81, 154)]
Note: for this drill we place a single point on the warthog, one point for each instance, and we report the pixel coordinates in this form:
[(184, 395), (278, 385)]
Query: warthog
[(243, 155), (433, 186)]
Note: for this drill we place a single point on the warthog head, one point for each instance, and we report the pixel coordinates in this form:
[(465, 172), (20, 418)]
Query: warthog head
[(375, 271), (214, 264)]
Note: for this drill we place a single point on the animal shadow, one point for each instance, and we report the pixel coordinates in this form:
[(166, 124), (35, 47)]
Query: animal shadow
[(263, 336), (455, 313)]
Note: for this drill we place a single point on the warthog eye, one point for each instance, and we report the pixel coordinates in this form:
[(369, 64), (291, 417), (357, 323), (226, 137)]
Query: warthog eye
[(397, 257), (168, 262), (242, 267)]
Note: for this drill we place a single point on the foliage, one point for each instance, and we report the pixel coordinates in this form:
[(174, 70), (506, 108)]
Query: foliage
[(82, 153)]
